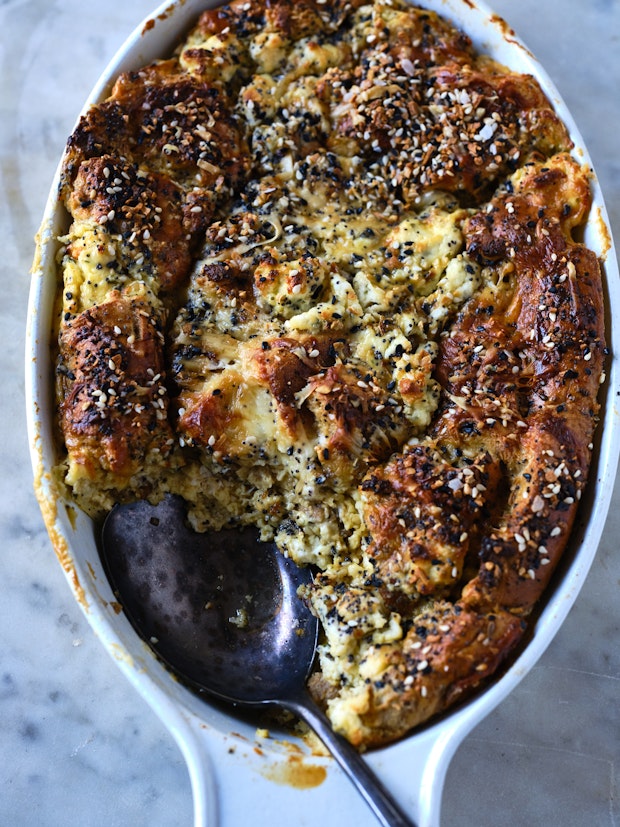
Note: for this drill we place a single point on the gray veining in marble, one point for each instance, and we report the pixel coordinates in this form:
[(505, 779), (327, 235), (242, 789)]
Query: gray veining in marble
[(77, 745)]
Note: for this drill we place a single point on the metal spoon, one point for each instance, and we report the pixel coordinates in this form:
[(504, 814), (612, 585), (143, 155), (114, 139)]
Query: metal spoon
[(222, 611)]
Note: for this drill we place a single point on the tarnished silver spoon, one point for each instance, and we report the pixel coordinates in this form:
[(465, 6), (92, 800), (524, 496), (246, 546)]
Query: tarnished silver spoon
[(222, 611)]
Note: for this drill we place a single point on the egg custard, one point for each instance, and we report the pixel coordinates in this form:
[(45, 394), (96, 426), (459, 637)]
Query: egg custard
[(322, 277)]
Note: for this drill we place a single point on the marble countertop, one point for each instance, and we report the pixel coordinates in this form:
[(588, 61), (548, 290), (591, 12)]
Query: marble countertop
[(78, 746)]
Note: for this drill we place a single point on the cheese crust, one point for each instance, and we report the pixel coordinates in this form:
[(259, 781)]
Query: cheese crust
[(323, 277)]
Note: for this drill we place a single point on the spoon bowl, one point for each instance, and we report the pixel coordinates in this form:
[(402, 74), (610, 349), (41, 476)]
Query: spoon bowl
[(223, 612)]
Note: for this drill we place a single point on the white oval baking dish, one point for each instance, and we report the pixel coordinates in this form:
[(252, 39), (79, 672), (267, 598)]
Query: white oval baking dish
[(232, 768)]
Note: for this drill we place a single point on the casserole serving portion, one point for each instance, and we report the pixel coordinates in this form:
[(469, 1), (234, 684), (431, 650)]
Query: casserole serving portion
[(323, 276)]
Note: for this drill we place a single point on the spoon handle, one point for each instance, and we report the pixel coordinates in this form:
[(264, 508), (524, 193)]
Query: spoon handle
[(376, 795)]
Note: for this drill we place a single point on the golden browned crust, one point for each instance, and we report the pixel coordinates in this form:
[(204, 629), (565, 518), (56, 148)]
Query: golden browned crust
[(143, 209), (291, 20), (424, 514), (142, 175), (451, 649), (164, 120), (113, 409), (474, 121), (323, 259), (541, 358)]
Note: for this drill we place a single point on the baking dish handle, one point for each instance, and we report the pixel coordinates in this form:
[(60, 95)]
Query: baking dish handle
[(416, 784), (416, 777)]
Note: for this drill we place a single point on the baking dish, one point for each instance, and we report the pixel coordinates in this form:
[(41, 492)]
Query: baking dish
[(222, 751)]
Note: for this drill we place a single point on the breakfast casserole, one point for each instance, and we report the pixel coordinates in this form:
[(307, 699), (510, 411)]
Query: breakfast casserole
[(323, 276)]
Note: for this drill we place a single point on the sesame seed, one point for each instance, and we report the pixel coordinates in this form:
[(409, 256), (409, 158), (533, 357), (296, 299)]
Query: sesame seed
[(407, 66)]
